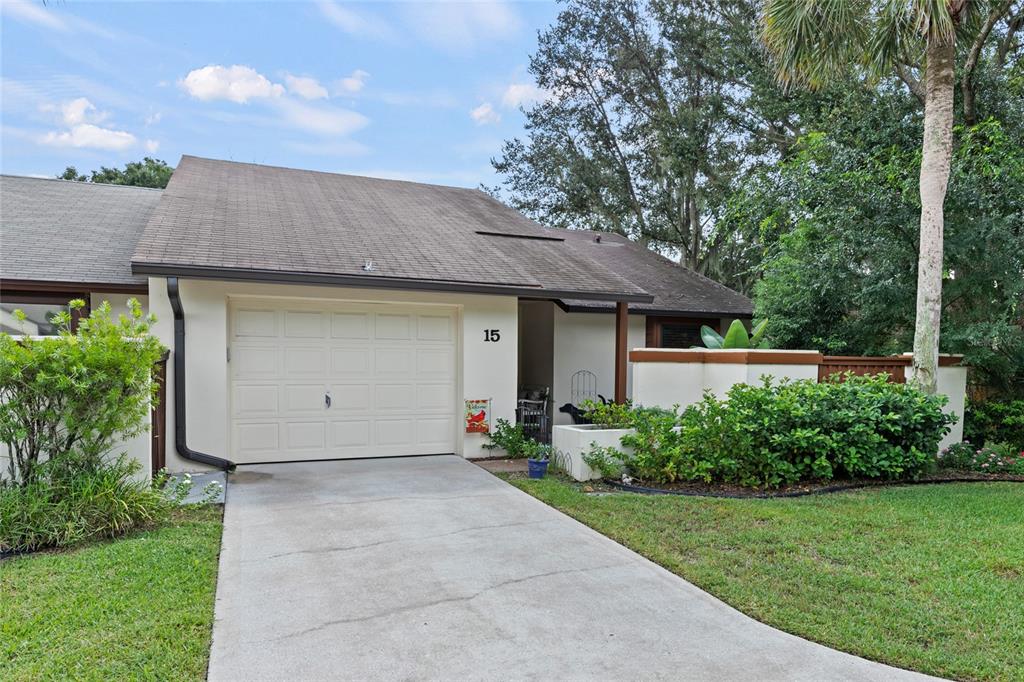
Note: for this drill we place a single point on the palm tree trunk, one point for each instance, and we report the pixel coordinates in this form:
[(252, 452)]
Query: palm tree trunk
[(937, 151)]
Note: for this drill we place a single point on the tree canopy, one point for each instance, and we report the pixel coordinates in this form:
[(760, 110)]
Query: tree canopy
[(146, 173), (665, 122)]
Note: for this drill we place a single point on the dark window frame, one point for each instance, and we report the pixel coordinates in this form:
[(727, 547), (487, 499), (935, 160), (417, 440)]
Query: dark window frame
[(656, 323), (46, 297)]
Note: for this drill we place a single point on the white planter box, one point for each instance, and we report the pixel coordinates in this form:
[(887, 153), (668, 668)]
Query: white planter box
[(570, 443)]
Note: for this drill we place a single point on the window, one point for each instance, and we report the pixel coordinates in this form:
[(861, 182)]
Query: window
[(676, 332), (39, 309)]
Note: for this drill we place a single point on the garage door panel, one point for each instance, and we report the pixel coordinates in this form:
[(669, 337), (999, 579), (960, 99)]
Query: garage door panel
[(304, 398), (254, 362), (303, 324), (435, 432), (390, 372), (305, 435), (305, 360), (254, 400), (395, 432), (351, 361), (435, 397), (434, 362), (350, 433), (391, 361), (394, 397), (393, 326), (350, 397), (350, 326), (435, 328), (257, 437), (255, 323)]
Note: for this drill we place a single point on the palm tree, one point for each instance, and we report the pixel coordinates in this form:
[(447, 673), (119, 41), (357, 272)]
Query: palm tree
[(813, 41)]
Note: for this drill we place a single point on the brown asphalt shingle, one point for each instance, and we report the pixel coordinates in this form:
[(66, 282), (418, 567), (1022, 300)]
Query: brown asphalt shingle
[(220, 214), (63, 231)]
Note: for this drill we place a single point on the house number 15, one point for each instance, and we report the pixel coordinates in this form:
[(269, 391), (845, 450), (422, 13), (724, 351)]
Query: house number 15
[(492, 335)]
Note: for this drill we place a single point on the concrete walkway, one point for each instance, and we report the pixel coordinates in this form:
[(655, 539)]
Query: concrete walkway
[(431, 568)]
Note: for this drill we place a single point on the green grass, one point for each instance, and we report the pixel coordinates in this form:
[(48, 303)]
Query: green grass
[(139, 607), (926, 577)]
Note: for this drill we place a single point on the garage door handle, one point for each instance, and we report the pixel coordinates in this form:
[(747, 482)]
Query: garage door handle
[(327, 400)]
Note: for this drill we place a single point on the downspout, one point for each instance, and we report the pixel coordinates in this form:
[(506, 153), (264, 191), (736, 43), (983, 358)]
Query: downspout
[(180, 442)]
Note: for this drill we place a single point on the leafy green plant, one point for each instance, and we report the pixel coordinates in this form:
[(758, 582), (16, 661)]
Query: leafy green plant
[(735, 337), (1000, 458), (606, 461), (508, 437), (72, 398), (608, 415), (56, 509), (536, 451), (776, 434), (995, 421)]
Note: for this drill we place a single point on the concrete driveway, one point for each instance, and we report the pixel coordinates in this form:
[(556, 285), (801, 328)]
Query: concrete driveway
[(432, 568)]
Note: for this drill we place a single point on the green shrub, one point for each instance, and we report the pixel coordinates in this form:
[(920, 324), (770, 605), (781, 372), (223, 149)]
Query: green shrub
[(57, 510), (1000, 458), (776, 434), (509, 437), (70, 399), (995, 421), (606, 461), (608, 415)]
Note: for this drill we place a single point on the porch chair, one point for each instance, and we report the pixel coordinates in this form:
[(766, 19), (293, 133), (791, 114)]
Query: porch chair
[(532, 411)]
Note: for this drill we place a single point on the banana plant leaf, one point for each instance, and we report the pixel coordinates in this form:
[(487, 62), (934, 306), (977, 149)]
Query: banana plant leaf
[(737, 336), (710, 337), (757, 337)]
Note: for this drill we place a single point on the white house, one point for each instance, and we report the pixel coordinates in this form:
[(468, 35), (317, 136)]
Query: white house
[(317, 316)]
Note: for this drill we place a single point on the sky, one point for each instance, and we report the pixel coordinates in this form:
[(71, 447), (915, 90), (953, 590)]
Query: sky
[(413, 91)]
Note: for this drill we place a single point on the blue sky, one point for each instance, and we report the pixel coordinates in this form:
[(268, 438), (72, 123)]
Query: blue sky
[(417, 91)]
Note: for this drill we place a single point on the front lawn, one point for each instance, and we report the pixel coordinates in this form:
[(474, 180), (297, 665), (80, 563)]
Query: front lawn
[(927, 577), (139, 607)]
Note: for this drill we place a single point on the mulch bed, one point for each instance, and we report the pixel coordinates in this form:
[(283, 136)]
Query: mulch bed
[(802, 489)]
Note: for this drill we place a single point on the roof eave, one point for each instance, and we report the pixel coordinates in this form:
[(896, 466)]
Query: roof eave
[(664, 312), (376, 282)]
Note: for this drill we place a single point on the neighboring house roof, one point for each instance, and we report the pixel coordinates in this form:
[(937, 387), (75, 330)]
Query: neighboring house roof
[(233, 220), (677, 290), (237, 220), (71, 232)]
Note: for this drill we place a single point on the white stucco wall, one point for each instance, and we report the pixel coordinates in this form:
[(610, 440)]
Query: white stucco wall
[(670, 383), (951, 382), (488, 369), (586, 341)]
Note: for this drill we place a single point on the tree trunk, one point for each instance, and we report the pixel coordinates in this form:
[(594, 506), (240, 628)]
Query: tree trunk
[(937, 151)]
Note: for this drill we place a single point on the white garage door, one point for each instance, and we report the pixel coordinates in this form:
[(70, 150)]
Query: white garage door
[(322, 381)]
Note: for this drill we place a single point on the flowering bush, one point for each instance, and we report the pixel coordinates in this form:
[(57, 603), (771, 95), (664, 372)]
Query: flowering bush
[(991, 459)]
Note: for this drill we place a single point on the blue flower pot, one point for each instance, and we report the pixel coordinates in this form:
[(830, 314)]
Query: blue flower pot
[(537, 467)]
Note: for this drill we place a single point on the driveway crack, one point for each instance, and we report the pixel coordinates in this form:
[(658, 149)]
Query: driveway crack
[(436, 602)]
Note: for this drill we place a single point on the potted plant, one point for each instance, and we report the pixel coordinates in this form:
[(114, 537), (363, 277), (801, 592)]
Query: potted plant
[(538, 456)]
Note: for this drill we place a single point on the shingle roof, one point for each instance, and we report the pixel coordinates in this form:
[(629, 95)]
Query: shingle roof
[(63, 231), (245, 218), (676, 289), (218, 214)]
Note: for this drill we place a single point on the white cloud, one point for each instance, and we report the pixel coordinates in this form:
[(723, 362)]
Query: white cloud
[(152, 146), (234, 83), (305, 87), (322, 120), (91, 136), (485, 114), (153, 118), (462, 26), (353, 83), (360, 24), (75, 111), (523, 95)]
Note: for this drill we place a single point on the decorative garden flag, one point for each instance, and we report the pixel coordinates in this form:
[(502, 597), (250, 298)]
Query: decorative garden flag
[(478, 416)]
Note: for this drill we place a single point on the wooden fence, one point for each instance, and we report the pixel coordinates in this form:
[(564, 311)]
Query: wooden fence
[(894, 366)]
